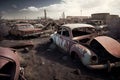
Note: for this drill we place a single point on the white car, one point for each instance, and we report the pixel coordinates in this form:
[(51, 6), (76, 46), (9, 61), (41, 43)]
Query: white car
[(83, 41)]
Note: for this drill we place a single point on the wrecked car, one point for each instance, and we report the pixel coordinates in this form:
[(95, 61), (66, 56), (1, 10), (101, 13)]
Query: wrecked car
[(22, 30), (45, 30), (82, 41), (9, 64)]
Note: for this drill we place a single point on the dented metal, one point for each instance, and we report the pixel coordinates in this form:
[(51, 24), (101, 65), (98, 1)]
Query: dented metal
[(9, 64)]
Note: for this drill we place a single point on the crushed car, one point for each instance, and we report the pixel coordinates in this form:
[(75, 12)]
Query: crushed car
[(83, 41), (46, 30), (9, 64), (22, 30)]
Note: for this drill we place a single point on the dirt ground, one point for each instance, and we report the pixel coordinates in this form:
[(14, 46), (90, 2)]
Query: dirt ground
[(44, 62)]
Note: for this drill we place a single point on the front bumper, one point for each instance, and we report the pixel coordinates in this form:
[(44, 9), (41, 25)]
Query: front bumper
[(108, 66)]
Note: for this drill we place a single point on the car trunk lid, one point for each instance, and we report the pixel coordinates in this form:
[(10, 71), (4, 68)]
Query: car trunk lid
[(111, 45)]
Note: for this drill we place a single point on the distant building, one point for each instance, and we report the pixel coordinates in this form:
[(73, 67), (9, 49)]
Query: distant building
[(112, 19), (100, 16), (104, 18), (77, 18)]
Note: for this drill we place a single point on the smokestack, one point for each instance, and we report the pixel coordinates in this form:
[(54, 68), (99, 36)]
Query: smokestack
[(63, 15), (45, 14)]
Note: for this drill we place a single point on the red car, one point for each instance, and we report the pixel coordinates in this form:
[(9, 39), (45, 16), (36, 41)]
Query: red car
[(24, 30), (83, 41)]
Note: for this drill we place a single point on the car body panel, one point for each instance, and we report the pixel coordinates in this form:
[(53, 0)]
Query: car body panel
[(24, 30), (111, 45), (7, 56), (73, 26)]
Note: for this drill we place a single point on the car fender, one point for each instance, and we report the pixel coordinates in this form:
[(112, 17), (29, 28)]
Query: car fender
[(84, 54), (6, 56)]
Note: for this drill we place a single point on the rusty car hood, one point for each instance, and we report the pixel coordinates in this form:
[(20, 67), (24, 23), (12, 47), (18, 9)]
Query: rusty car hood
[(110, 44)]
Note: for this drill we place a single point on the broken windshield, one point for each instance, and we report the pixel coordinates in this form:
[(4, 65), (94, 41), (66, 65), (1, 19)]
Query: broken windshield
[(83, 31)]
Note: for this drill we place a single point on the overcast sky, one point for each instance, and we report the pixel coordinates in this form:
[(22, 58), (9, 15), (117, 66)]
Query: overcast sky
[(55, 8)]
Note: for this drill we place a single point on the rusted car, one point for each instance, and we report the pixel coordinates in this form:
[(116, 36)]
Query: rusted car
[(24, 30), (9, 64), (45, 30), (83, 41)]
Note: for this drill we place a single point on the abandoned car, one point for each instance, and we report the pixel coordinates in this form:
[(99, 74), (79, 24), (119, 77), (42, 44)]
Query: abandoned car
[(24, 30), (9, 64), (46, 30), (83, 41)]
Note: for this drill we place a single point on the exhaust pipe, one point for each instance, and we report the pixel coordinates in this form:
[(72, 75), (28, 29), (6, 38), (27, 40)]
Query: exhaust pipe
[(104, 66)]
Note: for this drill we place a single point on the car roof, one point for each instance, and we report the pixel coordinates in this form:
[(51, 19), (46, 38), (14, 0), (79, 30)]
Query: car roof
[(77, 25)]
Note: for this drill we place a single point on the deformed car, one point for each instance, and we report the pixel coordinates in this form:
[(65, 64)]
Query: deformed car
[(9, 64), (24, 30), (46, 30), (83, 41)]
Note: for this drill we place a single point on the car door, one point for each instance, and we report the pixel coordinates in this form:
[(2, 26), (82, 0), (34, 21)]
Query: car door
[(56, 37), (65, 39)]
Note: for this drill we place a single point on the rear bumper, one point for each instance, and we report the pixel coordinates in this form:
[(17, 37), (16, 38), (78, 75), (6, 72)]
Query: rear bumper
[(104, 66)]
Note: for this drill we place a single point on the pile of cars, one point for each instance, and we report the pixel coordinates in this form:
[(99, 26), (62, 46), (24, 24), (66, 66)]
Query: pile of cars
[(23, 30)]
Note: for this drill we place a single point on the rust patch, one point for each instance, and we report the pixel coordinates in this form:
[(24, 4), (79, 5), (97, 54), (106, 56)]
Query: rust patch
[(9, 64)]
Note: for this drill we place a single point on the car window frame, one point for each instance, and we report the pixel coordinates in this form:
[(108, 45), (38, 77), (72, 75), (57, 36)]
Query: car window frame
[(67, 30)]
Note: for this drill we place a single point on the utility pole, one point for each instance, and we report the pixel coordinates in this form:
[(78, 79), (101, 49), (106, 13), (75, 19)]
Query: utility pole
[(81, 12)]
